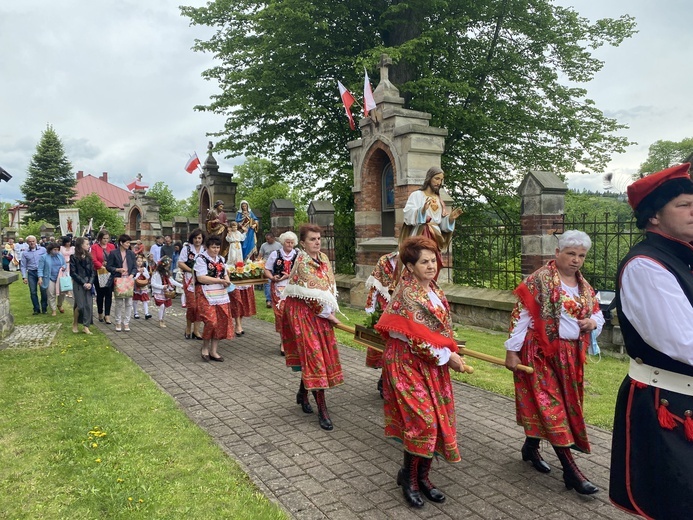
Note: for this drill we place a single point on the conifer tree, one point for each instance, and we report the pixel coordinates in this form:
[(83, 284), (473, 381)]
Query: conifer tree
[(50, 182)]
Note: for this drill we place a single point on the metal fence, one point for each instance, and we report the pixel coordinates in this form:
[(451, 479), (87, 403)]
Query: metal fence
[(487, 255), (341, 247), (611, 239)]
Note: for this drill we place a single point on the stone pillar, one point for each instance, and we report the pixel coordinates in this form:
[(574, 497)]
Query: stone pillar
[(282, 213), (215, 185), (6, 318), (543, 205)]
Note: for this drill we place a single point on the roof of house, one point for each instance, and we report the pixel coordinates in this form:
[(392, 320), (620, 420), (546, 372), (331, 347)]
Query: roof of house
[(111, 195)]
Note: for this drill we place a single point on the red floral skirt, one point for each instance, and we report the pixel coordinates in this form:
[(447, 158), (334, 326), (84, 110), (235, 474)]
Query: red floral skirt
[(217, 320), (419, 405), (140, 296), (191, 314), (549, 402), (374, 358), (243, 302), (277, 307), (310, 346)]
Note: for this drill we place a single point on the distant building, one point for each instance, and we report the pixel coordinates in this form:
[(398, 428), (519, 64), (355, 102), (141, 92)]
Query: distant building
[(111, 195)]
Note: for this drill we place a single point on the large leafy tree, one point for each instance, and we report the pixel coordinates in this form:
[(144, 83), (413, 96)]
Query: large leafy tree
[(50, 182), (663, 154), (502, 76), (92, 207), (169, 206)]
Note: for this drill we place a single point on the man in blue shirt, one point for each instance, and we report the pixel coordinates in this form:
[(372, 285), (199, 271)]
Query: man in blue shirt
[(29, 268)]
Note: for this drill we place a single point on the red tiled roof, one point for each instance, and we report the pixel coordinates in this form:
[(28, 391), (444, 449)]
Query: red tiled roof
[(112, 196)]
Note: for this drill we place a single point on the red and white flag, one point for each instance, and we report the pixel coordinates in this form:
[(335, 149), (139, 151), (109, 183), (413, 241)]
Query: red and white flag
[(368, 101), (137, 185), (192, 163), (348, 100)]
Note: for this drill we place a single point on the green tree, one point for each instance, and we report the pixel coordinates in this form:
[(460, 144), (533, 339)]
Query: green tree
[(259, 182), (663, 154), (31, 227), (169, 206), (191, 205), (501, 75), (92, 206), (50, 182), (4, 215)]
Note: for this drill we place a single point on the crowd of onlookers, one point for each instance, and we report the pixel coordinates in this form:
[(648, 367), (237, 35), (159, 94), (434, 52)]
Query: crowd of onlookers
[(122, 276)]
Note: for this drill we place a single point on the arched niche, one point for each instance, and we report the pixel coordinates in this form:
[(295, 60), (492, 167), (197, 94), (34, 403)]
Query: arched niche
[(205, 206), (378, 183), (135, 223)]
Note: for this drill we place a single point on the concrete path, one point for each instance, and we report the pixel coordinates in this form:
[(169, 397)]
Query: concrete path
[(247, 404)]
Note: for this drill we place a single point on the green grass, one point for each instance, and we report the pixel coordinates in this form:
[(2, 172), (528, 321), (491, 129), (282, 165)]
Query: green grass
[(602, 379), (85, 433)]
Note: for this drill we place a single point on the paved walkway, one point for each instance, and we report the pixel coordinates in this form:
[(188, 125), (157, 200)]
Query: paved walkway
[(247, 404)]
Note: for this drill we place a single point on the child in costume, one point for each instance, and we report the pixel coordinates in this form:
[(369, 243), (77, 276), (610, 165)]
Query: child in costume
[(141, 291), (162, 283), (235, 239)]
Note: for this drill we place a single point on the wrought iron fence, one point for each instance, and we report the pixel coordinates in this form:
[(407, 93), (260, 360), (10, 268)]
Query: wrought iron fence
[(487, 255), (341, 248), (611, 239)]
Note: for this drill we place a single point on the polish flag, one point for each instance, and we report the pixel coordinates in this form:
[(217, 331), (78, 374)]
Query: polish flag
[(368, 101), (192, 163), (348, 100)]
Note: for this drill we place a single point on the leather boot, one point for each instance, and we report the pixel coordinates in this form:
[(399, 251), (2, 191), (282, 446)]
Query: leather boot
[(323, 415), (302, 399), (425, 485), (380, 386), (408, 479), (572, 476), (530, 452)]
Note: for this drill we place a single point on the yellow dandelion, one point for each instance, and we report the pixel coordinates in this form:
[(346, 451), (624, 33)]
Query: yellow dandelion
[(129, 499), (140, 500), (120, 480), (98, 460), (79, 400), (94, 445)]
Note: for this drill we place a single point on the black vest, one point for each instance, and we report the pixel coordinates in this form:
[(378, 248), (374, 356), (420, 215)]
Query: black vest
[(677, 257)]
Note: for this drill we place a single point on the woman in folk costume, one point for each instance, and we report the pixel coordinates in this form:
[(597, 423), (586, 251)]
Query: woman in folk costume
[(186, 263), (420, 349), (550, 331), (247, 224), (212, 281), (310, 304), (235, 239), (277, 269), (162, 283), (380, 285)]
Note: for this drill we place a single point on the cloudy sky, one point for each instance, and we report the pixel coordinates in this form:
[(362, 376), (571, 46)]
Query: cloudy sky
[(118, 82)]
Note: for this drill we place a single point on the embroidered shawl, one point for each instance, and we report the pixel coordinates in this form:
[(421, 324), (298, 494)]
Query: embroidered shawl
[(312, 280), (540, 294), (412, 314), (382, 280)]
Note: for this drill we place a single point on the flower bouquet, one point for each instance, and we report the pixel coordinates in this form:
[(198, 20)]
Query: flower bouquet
[(247, 273)]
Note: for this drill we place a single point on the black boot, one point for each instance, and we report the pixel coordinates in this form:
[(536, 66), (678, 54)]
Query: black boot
[(302, 399), (426, 486), (408, 479), (530, 452), (572, 476), (380, 386), (323, 415)]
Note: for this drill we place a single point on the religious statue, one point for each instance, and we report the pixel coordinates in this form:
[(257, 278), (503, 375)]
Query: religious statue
[(425, 213), (218, 225), (248, 224)]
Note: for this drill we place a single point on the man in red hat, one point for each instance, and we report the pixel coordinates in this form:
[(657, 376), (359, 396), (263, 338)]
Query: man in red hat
[(652, 450)]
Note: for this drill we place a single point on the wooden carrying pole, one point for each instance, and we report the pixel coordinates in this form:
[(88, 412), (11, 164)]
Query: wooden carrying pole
[(463, 351)]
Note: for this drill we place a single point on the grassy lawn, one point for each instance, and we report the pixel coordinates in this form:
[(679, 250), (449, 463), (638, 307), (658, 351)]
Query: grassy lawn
[(602, 378), (85, 434)]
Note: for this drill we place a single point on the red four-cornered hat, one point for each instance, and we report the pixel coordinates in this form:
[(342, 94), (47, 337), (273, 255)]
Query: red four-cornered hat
[(643, 187)]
